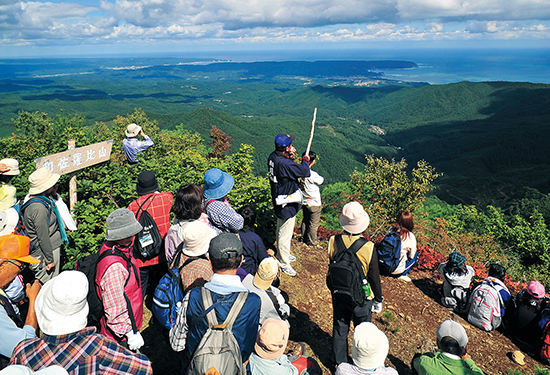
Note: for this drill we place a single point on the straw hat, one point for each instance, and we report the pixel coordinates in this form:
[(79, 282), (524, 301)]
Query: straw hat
[(12, 165), (41, 180)]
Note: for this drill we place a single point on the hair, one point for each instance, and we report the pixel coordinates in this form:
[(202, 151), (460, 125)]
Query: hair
[(312, 156), (404, 224), (449, 345), (249, 215), (497, 271), (5, 179), (188, 202), (451, 268), (224, 264)]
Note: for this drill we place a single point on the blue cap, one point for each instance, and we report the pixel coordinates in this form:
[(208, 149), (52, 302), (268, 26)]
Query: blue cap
[(283, 140)]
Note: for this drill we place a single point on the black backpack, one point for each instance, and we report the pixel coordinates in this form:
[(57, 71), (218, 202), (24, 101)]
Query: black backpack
[(88, 266), (345, 271), (148, 242)]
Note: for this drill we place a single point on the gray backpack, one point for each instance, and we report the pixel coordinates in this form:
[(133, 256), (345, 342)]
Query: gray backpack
[(218, 351), (484, 306)]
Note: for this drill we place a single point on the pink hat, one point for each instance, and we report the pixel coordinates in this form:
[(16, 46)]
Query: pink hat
[(536, 289)]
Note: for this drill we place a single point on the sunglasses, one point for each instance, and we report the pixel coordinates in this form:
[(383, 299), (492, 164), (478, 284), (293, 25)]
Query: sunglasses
[(21, 266)]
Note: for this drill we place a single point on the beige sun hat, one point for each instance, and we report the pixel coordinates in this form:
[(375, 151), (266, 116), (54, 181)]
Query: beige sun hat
[(354, 219), (132, 130), (267, 270), (41, 180), (196, 237), (12, 165)]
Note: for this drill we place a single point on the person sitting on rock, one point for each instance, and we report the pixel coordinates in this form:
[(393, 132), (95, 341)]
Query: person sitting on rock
[(530, 303), (457, 277), (453, 357)]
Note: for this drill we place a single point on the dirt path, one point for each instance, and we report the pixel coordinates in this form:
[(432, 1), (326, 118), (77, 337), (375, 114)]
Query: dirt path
[(410, 318)]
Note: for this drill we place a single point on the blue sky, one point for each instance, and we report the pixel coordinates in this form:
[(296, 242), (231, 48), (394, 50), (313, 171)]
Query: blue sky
[(56, 28)]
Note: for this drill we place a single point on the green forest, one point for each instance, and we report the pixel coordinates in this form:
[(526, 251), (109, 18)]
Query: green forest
[(469, 159)]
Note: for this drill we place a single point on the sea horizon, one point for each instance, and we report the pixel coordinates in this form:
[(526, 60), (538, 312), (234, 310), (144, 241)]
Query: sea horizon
[(435, 66)]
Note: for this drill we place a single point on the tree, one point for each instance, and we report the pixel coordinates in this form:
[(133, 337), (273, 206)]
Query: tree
[(220, 143)]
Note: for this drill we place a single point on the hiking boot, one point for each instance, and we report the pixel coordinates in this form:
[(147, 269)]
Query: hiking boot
[(405, 278), (289, 271), (292, 258)]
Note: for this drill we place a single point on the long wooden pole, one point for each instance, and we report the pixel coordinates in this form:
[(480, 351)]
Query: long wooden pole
[(312, 130)]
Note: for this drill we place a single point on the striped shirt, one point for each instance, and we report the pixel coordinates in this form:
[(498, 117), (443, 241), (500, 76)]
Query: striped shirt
[(82, 352)]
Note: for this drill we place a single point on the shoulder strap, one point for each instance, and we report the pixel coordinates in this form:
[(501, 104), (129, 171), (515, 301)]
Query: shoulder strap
[(235, 309), (273, 299), (5, 302), (207, 303), (145, 201)]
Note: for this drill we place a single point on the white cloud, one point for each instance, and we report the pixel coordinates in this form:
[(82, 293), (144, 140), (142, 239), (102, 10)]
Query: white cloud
[(275, 21)]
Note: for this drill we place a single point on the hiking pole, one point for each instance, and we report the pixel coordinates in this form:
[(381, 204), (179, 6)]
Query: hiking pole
[(312, 129)]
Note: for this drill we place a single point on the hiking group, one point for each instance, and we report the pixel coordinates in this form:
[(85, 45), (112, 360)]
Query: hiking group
[(214, 283)]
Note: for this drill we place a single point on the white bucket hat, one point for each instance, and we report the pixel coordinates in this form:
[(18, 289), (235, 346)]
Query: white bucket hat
[(41, 180), (196, 238), (354, 219), (370, 346), (132, 130), (8, 221), (12, 165), (61, 305)]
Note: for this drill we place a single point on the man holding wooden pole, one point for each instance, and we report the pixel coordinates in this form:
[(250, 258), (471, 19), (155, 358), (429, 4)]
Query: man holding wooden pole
[(286, 196)]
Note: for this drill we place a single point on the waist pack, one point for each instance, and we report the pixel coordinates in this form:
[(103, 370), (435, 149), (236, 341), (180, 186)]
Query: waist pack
[(148, 242), (218, 351), (389, 253), (169, 292), (345, 272), (484, 307)]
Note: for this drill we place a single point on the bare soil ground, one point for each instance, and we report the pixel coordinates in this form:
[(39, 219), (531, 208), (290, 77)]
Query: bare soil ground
[(410, 318)]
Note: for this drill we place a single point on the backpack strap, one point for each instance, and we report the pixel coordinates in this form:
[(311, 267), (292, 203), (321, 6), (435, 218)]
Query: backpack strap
[(145, 201), (235, 309), (276, 304), (37, 198), (354, 248), (5, 302), (207, 303)]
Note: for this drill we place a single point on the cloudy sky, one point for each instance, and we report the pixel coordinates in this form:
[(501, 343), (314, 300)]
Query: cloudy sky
[(109, 26)]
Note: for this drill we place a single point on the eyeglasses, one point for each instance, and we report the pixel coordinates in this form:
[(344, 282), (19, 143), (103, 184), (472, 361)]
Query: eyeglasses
[(21, 266)]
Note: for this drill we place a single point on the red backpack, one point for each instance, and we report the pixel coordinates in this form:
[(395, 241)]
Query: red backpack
[(545, 349)]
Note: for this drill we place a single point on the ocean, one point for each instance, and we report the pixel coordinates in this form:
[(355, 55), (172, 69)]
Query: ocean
[(435, 66)]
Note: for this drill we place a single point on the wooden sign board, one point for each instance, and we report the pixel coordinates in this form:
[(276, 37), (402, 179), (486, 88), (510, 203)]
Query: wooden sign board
[(77, 158)]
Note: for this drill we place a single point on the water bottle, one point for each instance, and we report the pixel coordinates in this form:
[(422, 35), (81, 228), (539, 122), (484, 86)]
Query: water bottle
[(366, 289)]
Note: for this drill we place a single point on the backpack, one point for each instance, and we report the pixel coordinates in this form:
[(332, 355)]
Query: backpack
[(148, 242), (484, 306), (389, 253), (218, 351), (169, 293), (88, 265), (345, 271)]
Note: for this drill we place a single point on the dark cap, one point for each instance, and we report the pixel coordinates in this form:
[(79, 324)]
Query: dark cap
[(225, 245), (283, 140)]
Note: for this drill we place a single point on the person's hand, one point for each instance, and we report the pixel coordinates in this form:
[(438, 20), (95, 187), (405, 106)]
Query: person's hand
[(465, 355), (135, 341), (50, 266), (377, 307), (33, 289), (271, 252), (142, 133), (306, 158)]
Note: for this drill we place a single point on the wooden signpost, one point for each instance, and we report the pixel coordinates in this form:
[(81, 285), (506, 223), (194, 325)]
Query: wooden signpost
[(74, 159)]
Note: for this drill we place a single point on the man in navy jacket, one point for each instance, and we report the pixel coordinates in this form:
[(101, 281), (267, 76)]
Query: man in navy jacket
[(285, 190)]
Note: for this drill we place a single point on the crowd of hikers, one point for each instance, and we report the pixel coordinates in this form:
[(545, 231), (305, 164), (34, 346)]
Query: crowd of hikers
[(215, 284)]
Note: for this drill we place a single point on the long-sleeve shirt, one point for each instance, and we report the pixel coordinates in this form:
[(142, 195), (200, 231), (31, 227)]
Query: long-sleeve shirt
[(114, 304), (444, 364), (223, 218), (132, 146), (43, 230), (311, 192), (10, 334), (408, 251), (82, 352)]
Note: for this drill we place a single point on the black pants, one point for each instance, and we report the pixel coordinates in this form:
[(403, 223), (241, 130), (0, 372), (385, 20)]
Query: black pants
[(343, 312)]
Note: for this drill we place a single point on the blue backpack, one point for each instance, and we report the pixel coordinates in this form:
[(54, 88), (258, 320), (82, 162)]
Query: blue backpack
[(168, 295), (389, 252)]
